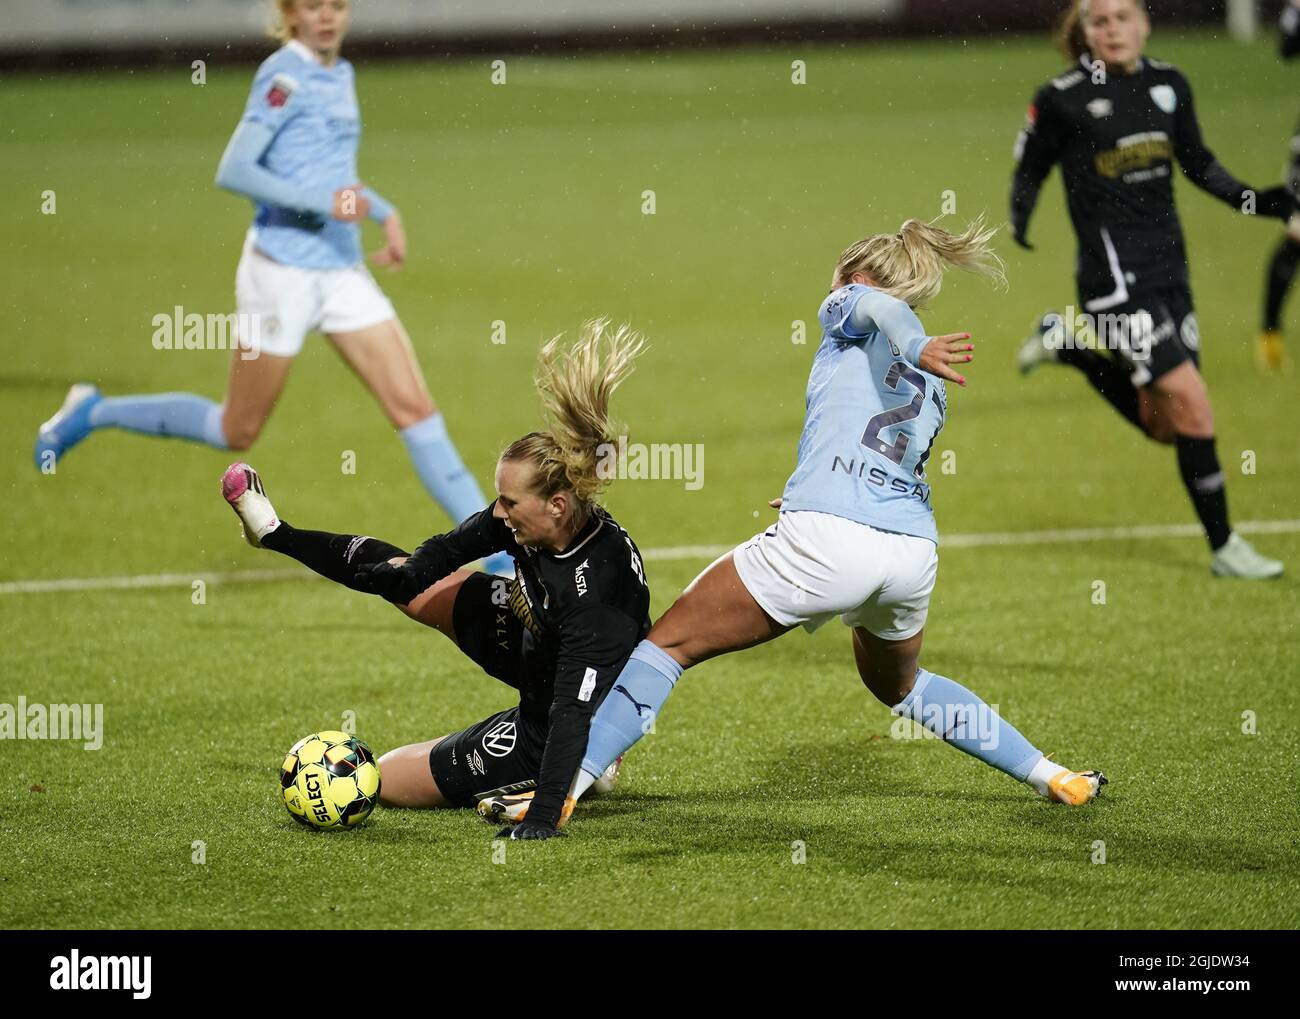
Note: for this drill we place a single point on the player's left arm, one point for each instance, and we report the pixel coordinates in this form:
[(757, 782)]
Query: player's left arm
[(595, 642), (1201, 167), (384, 213)]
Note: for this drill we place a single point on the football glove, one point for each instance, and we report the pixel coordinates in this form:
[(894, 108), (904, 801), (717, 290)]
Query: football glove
[(398, 584), (1276, 203), (526, 829)]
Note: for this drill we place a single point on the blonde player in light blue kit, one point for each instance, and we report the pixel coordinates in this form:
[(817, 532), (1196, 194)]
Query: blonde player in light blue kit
[(856, 536), (294, 154)]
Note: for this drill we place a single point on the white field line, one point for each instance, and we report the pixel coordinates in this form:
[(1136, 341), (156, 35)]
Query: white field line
[(1066, 536)]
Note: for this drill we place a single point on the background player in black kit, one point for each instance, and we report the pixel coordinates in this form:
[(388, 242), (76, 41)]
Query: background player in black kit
[(1286, 257), (1115, 123), (559, 632)]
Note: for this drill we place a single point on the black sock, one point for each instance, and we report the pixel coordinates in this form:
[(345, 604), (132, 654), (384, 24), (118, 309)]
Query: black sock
[(1110, 378), (334, 556), (1203, 476), (1281, 271)]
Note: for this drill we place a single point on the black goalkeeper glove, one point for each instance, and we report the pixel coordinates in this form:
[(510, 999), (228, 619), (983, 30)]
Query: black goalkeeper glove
[(1275, 203), (398, 584), (526, 829)]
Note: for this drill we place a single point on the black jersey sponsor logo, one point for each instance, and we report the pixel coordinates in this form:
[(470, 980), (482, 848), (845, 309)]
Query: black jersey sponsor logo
[(1135, 152), (1100, 108), (579, 579), (500, 739), (522, 608)]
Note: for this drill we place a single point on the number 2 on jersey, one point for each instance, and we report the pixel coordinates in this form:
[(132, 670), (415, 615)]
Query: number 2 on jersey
[(899, 415)]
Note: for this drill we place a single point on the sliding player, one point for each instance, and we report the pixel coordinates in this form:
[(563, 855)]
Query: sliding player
[(856, 536), (1115, 123), (559, 632), (294, 154), (1271, 351)]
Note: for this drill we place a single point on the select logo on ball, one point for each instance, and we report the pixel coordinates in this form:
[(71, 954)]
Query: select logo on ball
[(329, 780)]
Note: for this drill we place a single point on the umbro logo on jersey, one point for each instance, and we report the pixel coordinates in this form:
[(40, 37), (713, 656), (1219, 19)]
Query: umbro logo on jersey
[(1165, 97), (1100, 108)]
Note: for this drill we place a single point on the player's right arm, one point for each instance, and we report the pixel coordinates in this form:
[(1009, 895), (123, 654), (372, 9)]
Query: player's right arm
[(1038, 149), (477, 537)]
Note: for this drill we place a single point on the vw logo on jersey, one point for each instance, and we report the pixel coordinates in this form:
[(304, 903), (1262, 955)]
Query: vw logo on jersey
[(500, 739), (1101, 108), (1164, 97)]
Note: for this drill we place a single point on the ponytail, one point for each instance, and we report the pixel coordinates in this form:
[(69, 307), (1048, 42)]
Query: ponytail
[(575, 384), (910, 264)]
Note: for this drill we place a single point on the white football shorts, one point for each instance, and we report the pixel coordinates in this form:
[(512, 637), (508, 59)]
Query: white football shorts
[(279, 304), (811, 566)]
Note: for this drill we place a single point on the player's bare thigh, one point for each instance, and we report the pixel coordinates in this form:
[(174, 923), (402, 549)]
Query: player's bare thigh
[(383, 358), (405, 778), (435, 606), (714, 615), (887, 667)]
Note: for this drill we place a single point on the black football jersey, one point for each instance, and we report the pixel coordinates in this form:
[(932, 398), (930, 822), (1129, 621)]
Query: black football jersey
[(1116, 137), (1290, 27), (583, 610)]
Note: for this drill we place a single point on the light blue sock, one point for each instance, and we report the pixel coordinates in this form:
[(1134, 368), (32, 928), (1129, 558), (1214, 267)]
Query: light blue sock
[(630, 708), (182, 415), (441, 469), (961, 718)]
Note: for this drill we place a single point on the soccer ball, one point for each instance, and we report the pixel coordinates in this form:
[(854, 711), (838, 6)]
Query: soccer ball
[(330, 780)]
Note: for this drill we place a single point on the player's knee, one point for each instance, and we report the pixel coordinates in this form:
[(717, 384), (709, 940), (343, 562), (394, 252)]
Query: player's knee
[(1160, 429), (1195, 418), (887, 683), (410, 409), (676, 643), (239, 437)]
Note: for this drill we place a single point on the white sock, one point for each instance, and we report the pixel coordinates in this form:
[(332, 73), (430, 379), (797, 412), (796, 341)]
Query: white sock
[(1042, 773), (581, 784)]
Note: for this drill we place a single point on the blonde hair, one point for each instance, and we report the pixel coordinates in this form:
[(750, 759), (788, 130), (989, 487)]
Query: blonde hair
[(280, 26), (575, 384), (910, 264), (1070, 37)]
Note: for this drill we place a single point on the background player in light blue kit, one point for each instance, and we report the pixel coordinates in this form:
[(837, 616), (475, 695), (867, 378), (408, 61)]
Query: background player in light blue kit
[(294, 154), (856, 535)]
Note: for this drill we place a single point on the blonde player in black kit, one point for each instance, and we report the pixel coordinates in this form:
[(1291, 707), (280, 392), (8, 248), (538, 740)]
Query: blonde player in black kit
[(1115, 123), (559, 632)]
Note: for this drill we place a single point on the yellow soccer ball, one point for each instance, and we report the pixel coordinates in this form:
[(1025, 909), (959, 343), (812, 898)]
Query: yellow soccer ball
[(330, 780)]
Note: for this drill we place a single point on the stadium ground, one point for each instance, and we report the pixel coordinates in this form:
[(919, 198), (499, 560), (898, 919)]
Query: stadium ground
[(523, 203)]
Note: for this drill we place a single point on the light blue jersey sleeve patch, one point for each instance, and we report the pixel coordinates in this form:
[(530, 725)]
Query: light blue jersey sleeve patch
[(272, 99)]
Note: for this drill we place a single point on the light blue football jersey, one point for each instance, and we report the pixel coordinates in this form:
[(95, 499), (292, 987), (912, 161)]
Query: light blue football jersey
[(317, 123), (871, 419)]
